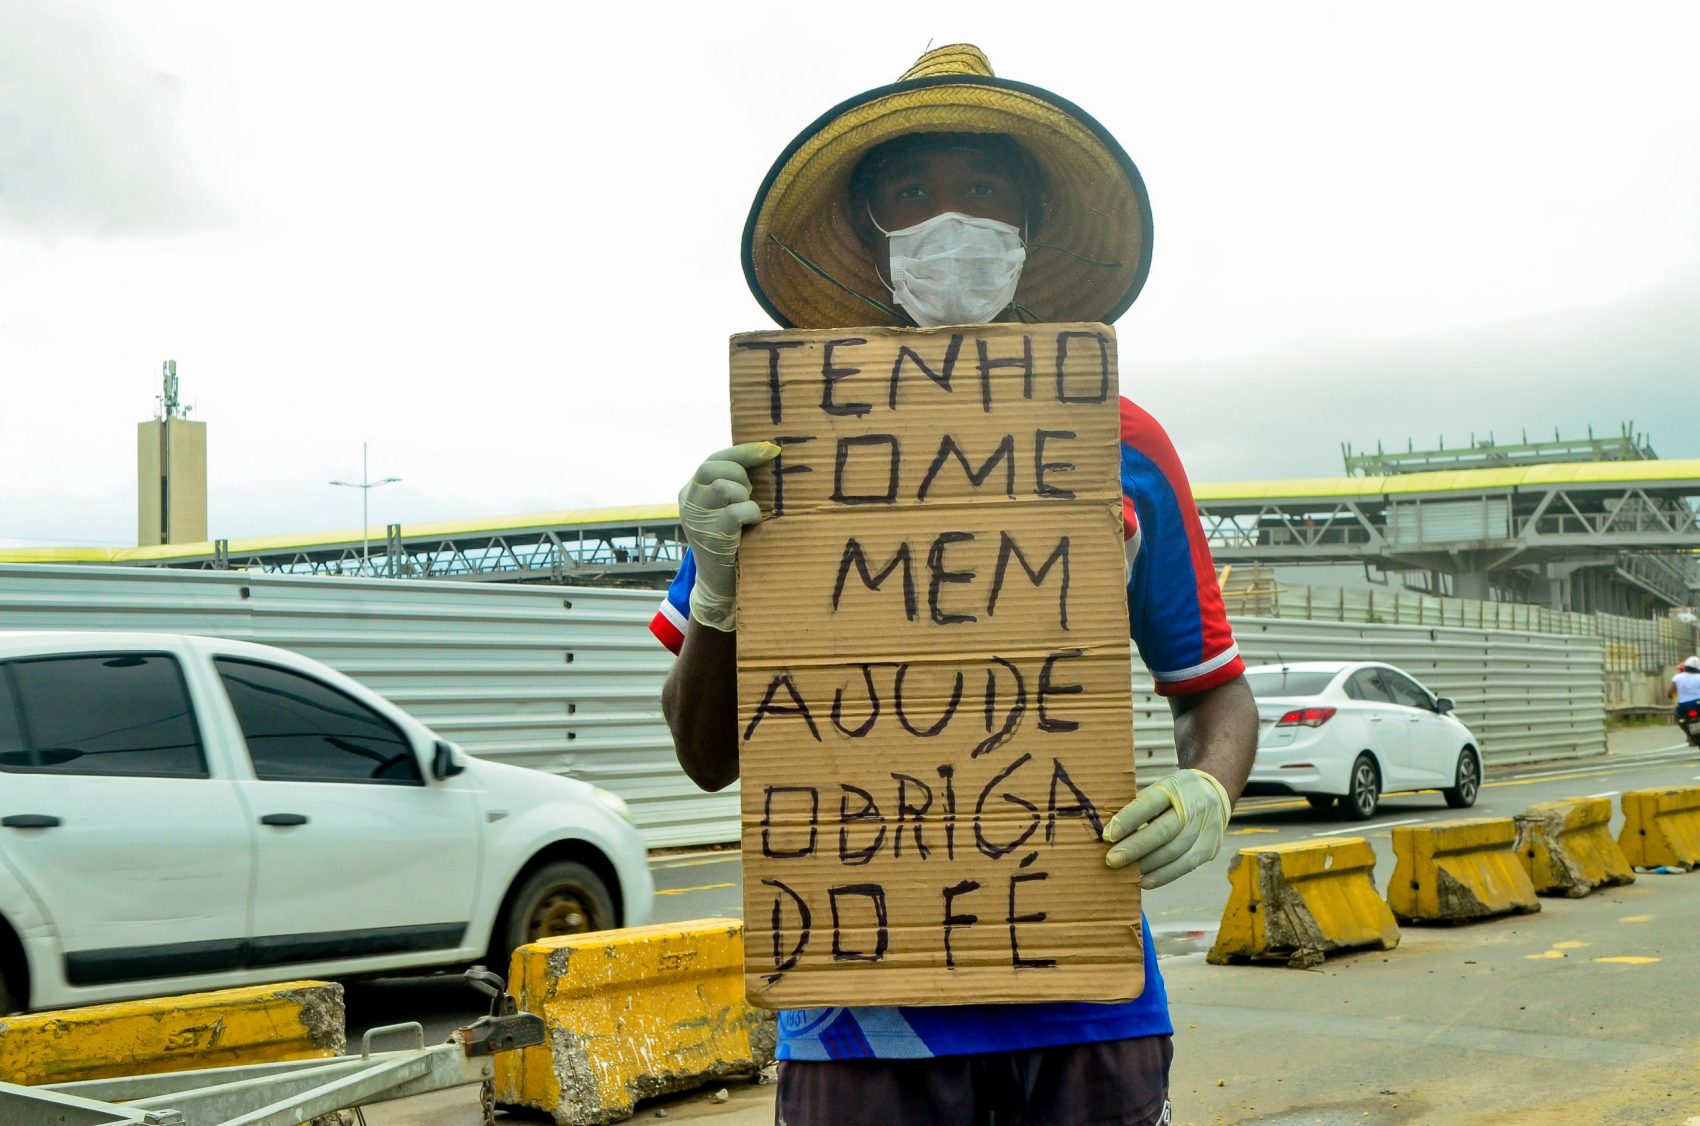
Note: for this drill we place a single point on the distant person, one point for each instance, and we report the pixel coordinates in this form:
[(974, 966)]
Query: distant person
[(955, 197), (1685, 687)]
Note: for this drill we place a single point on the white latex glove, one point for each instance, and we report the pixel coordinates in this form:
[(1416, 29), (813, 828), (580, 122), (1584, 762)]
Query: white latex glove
[(1184, 817), (715, 508)]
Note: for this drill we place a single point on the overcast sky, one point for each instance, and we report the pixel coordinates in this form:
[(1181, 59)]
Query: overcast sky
[(499, 242)]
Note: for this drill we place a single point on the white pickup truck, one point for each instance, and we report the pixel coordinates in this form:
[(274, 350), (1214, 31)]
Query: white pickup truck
[(183, 813)]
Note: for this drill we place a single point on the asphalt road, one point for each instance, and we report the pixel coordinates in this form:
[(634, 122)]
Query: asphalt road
[(1183, 915)]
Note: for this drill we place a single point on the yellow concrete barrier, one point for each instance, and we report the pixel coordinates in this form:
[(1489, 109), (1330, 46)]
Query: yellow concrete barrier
[(1566, 847), (1451, 871), (631, 1014), (1302, 902), (1661, 828), (297, 1020)]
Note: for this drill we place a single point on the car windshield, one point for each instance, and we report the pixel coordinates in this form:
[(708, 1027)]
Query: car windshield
[(1287, 682)]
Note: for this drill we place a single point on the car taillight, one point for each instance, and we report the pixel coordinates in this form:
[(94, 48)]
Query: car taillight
[(1306, 717)]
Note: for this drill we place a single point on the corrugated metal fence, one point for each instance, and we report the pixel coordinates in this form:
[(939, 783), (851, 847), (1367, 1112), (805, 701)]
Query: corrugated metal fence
[(566, 679), (1639, 652), (563, 679), (1525, 696), (1657, 642)]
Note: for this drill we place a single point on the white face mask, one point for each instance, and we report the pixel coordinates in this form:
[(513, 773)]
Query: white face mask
[(955, 269)]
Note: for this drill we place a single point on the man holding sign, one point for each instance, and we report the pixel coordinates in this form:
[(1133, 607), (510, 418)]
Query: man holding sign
[(954, 198)]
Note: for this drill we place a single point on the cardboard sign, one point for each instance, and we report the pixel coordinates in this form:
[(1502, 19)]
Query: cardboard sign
[(933, 668)]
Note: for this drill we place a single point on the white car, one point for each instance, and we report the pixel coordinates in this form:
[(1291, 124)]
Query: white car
[(184, 813), (1349, 732)]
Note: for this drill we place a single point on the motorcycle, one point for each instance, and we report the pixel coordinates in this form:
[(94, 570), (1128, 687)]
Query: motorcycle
[(1688, 718)]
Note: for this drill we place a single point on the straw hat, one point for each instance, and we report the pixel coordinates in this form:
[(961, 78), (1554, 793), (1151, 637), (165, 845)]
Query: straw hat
[(1085, 263)]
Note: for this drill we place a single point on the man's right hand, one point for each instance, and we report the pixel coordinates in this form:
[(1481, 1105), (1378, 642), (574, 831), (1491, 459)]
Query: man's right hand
[(715, 508)]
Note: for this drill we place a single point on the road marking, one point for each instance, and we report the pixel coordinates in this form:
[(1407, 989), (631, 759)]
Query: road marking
[(1533, 781), (1628, 960), (1571, 945), (1635, 918), (1546, 954), (682, 891), (1606, 794), (1249, 831), (708, 858), (1655, 759), (1367, 828), (1593, 767), (1673, 749)]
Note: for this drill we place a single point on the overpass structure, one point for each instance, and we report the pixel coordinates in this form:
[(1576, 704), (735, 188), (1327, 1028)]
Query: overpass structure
[(1616, 537), (1585, 536), (631, 546)]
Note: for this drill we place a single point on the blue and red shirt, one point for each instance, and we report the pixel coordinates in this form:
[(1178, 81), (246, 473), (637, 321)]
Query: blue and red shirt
[(1177, 620)]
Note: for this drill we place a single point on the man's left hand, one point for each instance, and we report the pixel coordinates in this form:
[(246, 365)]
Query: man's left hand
[(1180, 822)]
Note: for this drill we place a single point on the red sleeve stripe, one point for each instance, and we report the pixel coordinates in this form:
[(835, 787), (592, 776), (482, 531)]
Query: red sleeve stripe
[(665, 630)]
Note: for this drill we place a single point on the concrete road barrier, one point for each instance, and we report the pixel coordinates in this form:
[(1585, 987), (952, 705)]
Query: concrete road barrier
[(297, 1020), (631, 1014), (1303, 901), (1566, 847), (1661, 828), (1453, 871)]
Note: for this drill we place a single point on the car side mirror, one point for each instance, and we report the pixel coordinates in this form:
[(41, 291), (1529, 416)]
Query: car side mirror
[(444, 763), (1443, 704)]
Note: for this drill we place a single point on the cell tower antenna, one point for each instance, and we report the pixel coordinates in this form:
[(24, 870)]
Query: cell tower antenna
[(170, 405)]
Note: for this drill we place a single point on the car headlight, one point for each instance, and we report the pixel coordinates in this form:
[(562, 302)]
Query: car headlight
[(615, 804)]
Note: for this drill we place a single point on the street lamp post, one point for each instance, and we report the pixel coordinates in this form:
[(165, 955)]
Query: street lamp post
[(365, 485)]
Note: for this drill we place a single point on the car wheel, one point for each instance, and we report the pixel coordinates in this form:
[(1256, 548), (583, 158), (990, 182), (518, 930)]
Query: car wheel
[(560, 898), (1364, 797), (1320, 801), (8, 999), (1469, 781)]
